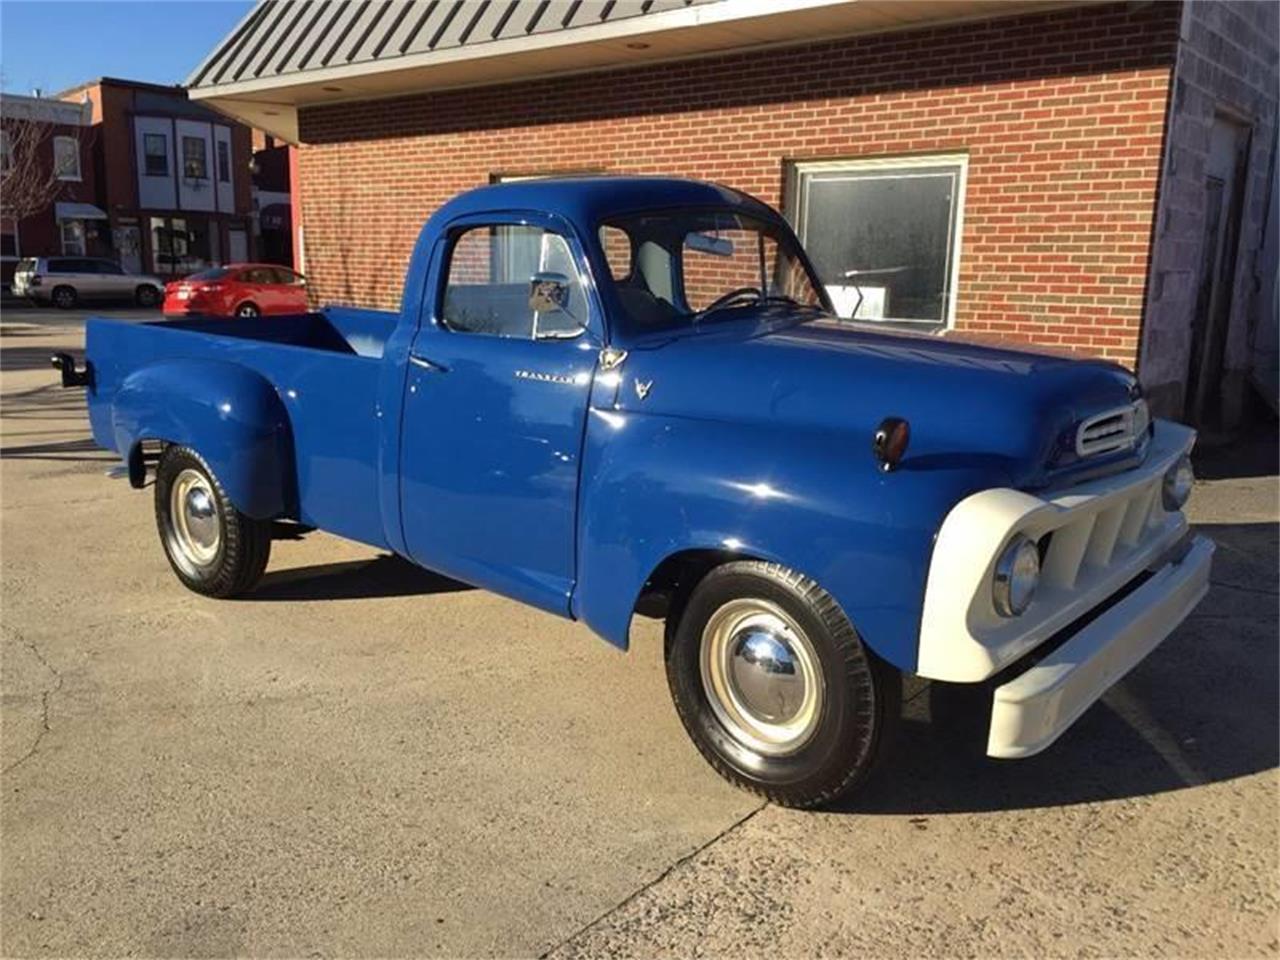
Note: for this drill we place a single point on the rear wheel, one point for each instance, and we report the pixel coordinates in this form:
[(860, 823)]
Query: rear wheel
[(64, 297), (213, 547), (775, 687), (248, 310), (147, 295)]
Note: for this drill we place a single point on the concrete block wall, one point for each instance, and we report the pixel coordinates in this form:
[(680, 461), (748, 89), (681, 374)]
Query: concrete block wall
[(1226, 66)]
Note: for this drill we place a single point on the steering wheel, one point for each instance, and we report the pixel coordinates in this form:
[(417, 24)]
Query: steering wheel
[(731, 296)]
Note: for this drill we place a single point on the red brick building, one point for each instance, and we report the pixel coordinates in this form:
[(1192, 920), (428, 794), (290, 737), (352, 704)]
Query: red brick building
[(1088, 175), (171, 178), (56, 138)]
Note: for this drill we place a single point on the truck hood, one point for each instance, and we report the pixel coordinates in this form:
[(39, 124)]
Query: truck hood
[(1015, 411)]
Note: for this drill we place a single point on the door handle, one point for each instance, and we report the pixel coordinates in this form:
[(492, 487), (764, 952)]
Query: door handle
[(428, 365)]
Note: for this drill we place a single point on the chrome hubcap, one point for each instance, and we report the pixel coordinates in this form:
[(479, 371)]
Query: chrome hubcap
[(761, 676), (197, 530)]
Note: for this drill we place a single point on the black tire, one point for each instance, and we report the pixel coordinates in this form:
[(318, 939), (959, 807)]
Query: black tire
[(147, 296), (248, 310), (64, 297), (861, 695), (243, 543)]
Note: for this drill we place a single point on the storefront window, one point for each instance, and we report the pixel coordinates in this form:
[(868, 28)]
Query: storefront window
[(181, 245)]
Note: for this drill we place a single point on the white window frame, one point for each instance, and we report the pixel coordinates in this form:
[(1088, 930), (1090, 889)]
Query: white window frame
[(77, 246), (797, 190), (74, 146), (6, 152)]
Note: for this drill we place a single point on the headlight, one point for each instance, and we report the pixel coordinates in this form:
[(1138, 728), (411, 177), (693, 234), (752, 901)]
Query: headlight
[(1017, 576), (1177, 484)]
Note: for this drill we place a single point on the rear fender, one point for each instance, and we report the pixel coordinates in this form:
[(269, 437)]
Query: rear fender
[(228, 413)]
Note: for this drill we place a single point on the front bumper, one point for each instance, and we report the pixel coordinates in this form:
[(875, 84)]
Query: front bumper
[(1031, 711)]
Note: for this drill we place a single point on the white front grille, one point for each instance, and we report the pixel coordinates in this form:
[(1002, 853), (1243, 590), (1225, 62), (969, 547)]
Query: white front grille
[(1119, 429)]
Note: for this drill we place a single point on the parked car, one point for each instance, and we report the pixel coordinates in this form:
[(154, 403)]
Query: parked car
[(607, 396), (65, 281), (238, 290)]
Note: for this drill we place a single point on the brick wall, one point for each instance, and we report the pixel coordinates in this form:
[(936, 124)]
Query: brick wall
[(1226, 70), (1061, 115)]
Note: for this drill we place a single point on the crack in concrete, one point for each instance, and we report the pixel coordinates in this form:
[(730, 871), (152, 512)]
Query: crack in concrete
[(645, 887), (44, 705)]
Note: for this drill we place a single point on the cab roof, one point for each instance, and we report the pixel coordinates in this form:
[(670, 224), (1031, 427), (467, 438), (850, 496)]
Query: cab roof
[(589, 200)]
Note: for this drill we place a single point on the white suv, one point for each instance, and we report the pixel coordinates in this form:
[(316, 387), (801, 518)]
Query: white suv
[(65, 281)]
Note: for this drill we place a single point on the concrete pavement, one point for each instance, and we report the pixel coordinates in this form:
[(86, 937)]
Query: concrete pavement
[(365, 759)]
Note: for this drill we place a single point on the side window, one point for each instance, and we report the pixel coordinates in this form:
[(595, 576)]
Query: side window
[(616, 244), (513, 280), (107, 267)]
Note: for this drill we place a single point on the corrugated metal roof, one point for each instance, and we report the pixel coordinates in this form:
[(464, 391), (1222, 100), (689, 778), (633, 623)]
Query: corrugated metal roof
[(279, 38)]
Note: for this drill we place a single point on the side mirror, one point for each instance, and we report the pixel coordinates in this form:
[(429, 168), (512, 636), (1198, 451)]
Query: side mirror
[(548, 292)]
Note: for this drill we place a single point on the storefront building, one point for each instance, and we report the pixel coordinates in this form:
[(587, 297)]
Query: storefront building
[(1094, 176), (173, 178), (48, 144)]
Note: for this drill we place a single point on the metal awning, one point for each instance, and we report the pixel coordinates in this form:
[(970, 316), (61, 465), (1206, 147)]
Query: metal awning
[(66, 210), (289, 54)]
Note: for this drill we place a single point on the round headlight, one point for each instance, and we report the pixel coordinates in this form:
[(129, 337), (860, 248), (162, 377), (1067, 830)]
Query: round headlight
[(1017, 576), (1177, 484)]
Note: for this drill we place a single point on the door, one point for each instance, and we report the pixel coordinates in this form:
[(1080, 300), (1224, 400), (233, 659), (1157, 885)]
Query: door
[(237, 245), (495, 407), (256, 286), (1224, 197), (128, 241)]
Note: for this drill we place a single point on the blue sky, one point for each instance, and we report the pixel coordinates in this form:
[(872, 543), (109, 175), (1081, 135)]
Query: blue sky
[(52, 44)]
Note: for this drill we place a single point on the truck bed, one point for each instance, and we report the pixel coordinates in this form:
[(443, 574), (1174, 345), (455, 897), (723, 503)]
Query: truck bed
[(325, 369)]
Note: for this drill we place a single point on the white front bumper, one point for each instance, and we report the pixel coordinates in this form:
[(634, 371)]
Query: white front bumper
[(1033, 710)]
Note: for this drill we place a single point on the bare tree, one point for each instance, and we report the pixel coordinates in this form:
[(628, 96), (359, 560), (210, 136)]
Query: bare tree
[(29, 181)]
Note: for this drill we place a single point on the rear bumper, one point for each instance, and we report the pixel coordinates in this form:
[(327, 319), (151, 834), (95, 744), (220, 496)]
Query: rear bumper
[(1031, 711)]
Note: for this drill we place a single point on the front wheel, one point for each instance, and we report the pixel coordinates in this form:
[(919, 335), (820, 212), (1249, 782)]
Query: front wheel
[(147, 295), (248, 310), (775, 687), (213, 547)]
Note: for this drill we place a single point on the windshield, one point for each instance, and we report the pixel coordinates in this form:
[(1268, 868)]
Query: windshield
[(686, 267)]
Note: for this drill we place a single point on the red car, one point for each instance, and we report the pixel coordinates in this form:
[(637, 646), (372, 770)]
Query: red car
[(238, 290)]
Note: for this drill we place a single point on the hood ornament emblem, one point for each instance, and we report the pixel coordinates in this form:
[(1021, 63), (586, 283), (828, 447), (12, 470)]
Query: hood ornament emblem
[(642, 387)]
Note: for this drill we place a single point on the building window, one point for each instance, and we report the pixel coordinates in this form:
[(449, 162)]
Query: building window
[(66, 158), (884, 235), (181, 245), (72, 237), (6, 152), (195, 159), (224, 162), (155, 148)]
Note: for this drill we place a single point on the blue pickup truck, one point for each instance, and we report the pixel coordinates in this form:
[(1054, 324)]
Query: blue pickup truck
[(606, 396)]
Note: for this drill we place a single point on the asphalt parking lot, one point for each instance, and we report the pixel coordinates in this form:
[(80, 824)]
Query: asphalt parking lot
[(364, 759)]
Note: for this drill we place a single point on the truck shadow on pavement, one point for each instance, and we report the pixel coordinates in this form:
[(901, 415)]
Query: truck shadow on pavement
[(1200, 709), (383, 576)]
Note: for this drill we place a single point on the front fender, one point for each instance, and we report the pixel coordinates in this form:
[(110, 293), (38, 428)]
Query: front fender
[(815, 501), (231, 415)]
